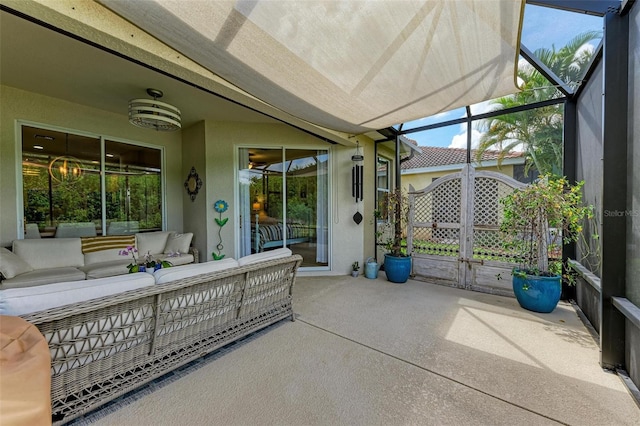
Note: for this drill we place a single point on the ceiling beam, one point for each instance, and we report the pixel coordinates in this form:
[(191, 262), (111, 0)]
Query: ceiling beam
[(589, 7), (546, 71)]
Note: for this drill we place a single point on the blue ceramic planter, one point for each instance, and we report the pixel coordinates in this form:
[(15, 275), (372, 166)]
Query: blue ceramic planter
[(397, 269), (537, 294)]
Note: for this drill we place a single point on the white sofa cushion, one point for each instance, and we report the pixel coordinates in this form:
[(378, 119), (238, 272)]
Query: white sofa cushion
[(20, 301), (265, 255), (11, 265), (151, 242), (106, 269), (178, 243), (182, 259), (50, 252), (44, 276), (166, 275)]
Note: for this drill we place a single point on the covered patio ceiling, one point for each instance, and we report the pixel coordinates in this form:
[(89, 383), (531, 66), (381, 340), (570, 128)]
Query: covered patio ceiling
[(351, 66)]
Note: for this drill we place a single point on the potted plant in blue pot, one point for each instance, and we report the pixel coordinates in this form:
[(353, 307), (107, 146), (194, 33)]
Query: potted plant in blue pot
[(390, 234), (538, 220)]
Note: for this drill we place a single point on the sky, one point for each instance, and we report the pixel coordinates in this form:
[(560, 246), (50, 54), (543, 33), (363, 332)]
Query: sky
[(542, 27)]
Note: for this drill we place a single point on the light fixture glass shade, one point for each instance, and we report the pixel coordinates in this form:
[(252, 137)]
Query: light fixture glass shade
[(65, 168), (153, 114)]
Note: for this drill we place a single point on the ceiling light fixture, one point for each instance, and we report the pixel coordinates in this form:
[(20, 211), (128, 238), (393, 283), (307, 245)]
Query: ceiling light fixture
[(152, 114), (65, 167)]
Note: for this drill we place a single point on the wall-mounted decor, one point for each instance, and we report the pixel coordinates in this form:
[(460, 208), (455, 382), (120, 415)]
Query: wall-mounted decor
[(357, 180), (193, 184), (220, 206)]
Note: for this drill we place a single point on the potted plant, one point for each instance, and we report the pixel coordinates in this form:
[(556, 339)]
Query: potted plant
[(147, 263), (538, 220), (390, 235), (355, 267)]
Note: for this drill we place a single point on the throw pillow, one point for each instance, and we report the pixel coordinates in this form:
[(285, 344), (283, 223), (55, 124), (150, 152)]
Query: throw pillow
[(92, 244), (11, 265), (178, 243), (151, 242)]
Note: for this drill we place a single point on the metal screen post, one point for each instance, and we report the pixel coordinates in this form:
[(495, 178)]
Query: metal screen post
[(614, 183)]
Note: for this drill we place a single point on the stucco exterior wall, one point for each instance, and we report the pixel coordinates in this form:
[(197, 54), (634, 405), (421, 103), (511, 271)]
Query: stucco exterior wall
[(211, 147), (348, 241), (194, 212), (36, 109)]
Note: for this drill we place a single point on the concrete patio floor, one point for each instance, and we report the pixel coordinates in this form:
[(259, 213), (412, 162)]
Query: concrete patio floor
[(369, 352)]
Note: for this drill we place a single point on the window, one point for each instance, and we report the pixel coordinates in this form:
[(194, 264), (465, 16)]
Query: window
[(64, 194), (383, 184)]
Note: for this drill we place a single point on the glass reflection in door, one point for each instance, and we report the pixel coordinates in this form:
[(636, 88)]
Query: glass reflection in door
[(284, 202)]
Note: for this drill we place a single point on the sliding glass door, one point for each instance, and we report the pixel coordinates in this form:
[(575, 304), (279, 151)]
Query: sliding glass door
[(284, 198)]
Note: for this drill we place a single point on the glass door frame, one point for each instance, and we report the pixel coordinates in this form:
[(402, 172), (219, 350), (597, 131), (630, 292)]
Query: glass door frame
[(238, 212)]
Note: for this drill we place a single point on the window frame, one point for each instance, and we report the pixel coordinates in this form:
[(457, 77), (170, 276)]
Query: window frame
[(20, 223)]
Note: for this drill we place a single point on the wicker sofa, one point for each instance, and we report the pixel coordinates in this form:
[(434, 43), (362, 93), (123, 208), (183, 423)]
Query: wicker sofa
[(105, 347), (33, 262)]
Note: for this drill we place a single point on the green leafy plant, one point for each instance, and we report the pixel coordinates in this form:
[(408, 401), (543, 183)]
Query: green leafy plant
[(355, 266), (539, 219), (392, 222)]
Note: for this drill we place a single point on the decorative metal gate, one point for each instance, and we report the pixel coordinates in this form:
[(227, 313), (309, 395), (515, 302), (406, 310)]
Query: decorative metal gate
[(453, 232)]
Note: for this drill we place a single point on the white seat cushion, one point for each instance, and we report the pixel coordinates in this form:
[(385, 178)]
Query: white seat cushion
[(39, 277), (265, 255), (183, 259), (107, 269), (20, 301), (166, 275)]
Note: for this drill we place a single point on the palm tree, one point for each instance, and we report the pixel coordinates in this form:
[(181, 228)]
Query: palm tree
[(538, 131)]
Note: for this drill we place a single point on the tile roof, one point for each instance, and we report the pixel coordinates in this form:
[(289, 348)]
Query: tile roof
[(433, 156)]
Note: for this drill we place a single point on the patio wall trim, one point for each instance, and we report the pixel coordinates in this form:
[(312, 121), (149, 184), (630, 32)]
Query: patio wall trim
[(588, 276), (628, 309)]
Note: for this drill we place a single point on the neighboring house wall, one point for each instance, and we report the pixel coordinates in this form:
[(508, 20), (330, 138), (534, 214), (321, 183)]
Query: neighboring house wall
[(424, 179)]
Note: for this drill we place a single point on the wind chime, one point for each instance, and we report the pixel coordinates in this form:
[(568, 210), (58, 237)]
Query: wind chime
[(356, 182)]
